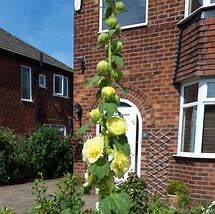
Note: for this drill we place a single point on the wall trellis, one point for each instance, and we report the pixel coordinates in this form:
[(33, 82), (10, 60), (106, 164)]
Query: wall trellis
[(157, 163)]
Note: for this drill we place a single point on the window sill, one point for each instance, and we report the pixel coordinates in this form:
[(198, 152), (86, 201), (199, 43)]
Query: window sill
[(56, 95), (44, 87), (127, 27), (204, 156), (193, 14), (25, 100)]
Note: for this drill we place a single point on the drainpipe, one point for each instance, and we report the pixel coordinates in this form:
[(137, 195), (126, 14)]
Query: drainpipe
[(37, 119)]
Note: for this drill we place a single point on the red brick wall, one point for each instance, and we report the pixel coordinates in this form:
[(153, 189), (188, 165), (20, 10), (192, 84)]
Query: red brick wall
[(197, 51), (150, 54), (19, 115)]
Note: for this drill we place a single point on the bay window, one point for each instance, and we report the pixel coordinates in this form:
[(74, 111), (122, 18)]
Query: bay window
[(193, 5), (197, 119)]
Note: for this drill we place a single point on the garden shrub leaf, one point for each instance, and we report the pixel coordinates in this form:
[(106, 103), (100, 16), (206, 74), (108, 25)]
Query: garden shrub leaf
[(67, 211), (100, 169), (83, 129), (118, 203)]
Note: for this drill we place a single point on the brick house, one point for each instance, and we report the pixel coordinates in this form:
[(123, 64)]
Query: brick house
[(34, 87), (169, 51)]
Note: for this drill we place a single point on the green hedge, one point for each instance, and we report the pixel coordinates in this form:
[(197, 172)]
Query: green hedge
[(42, 151)]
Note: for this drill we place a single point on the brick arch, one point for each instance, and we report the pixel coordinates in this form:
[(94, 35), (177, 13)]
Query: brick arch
[(141, 102)]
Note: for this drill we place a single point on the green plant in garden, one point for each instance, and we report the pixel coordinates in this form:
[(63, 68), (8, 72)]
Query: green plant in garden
[(108, 154), (176, 187), (136, 187), (6, 211), (67, 198)]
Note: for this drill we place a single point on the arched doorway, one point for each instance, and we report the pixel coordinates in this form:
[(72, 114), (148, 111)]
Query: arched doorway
[(134, 121)]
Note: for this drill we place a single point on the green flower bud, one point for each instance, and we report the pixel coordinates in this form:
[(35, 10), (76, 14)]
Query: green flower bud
[(118, 29), (116, 74), (117, 46), (103, 38), (111, 22), (120, 6), (102, 68), (116, 99), (95, 115), (108, 93)]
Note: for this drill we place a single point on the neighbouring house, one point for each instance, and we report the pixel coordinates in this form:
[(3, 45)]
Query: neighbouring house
[(169, 51), (35, 88)]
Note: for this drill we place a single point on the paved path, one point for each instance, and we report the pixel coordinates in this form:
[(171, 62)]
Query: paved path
[(19, 197)]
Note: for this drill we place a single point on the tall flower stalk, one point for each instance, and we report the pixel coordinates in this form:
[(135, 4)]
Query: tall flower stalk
[(108, 154)]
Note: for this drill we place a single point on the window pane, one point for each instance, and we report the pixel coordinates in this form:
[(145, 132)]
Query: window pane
[(189, 129), (194, 4), (211, 89), (26, 91), (42, 80), (136, 13), (212, 1), (208, 145), (65, 87), (191, 93), (58, 85)]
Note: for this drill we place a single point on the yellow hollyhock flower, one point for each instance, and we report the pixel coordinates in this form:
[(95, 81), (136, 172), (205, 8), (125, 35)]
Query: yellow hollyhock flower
[(93, 149), (116, 126), (120, 163), (108, 92)]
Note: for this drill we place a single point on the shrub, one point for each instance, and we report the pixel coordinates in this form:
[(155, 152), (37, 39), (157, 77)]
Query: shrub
[(48, 153), (7, 140), (136, 187), (66, 200), (6, 211)]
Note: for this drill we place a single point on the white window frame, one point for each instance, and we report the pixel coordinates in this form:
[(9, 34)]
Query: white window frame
[(61, 94), (201, 102), (24, 99), (48, 125), (206, 3), (41, 85), (123, 27)]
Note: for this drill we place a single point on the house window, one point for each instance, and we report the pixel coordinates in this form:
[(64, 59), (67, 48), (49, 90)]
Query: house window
[(26, 89), (42, 81), (60, 85), (136, 15), (193, 5), (61, 129), (197, 119)]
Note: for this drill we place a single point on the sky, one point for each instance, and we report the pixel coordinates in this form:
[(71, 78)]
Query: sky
[(45, 24)]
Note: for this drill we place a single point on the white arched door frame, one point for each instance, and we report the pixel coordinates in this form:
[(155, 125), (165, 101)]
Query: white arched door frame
[(139, 133)]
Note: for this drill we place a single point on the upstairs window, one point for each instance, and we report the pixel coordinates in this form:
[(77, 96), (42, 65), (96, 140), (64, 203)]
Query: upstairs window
[(136, 15), (60, 85), (193, 5), (197, 119), (26, 90), (42, 81)]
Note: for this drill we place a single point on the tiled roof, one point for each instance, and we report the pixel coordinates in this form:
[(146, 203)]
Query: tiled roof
[(13, 44)]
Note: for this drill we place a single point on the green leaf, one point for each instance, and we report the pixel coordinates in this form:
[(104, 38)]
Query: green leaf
[(118, 203), (92, 81), (100, 169), (118, 60), (121, 144), (83, 129), (109, 108), (123, 90), (67, 211), (111, 32)]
